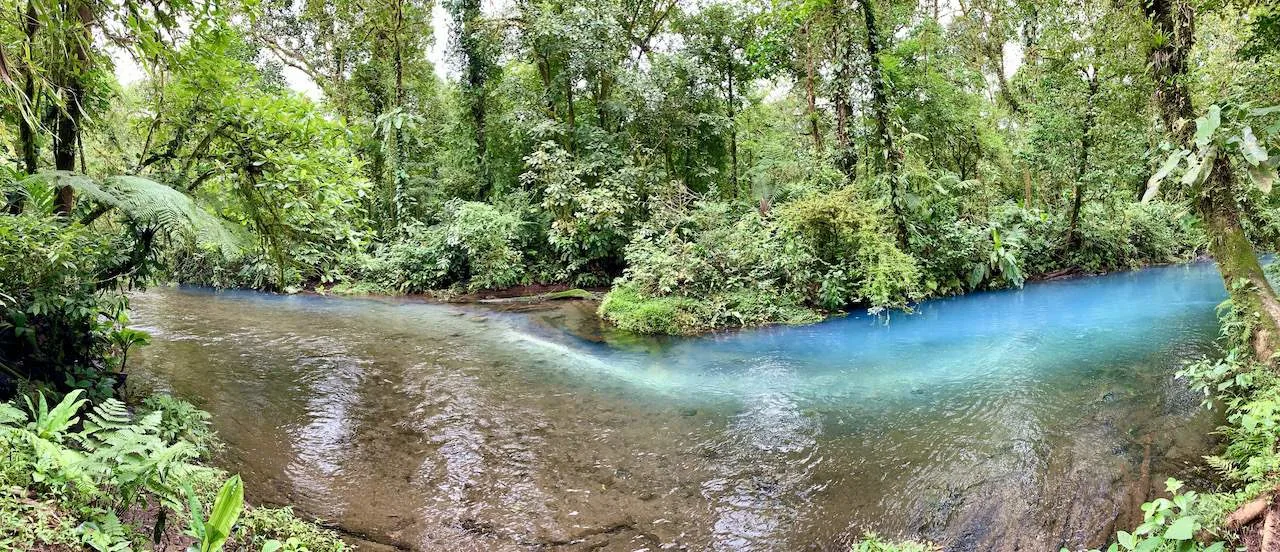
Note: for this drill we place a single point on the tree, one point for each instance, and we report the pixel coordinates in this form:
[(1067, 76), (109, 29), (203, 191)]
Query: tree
[(475, 46), (1214, 187)]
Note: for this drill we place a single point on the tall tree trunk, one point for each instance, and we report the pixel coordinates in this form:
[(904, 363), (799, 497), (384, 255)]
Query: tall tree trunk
[(1175, 20), (1250, 292), (1242, 275), (810, 93), (1086, 147), (733, 131), (889, 160), (476, 69), (26, 128), (394, 184), (67, 133), (845, 155)]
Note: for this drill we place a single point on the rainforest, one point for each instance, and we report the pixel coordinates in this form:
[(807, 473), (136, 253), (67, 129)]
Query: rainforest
[(733, 275)]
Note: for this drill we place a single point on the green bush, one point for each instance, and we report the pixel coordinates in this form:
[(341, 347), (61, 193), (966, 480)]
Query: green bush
[(260, 525), (70, 475), (182, 421), (59, 302), (854, 250), (475, 244), (628, 309), (871, 542), (208, 265), (712, 266)]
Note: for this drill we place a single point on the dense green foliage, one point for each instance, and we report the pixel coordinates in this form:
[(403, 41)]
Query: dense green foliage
[(733, 163), (106, 479), (715, 164)]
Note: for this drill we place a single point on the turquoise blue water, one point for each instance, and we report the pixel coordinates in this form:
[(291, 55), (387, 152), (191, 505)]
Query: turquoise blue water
[(967, 422), (1045, 332)]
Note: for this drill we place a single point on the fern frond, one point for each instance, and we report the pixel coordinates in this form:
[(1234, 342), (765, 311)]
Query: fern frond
[(110, 414), (150, 204)]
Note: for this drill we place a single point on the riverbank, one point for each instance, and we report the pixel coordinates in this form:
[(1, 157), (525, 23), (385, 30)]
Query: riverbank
[(668, 316)]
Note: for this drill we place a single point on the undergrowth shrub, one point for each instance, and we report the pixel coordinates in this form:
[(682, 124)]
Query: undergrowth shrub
[(711, 266), (853, 251), (475, 244), (259, 526), (71, 474), (60, 302)]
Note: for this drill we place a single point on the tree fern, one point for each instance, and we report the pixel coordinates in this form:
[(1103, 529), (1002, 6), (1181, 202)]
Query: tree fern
[(149, 204)]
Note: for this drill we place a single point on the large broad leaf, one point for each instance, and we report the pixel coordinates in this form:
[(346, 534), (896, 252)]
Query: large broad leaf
[(1199, 168), (226, 510), (1182, 529), (1170, 163), (1263, 177), (1253, 152), (1207, 125), (1264, 111)]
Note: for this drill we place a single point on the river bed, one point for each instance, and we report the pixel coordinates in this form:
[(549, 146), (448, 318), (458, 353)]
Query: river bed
[(1012, 420)]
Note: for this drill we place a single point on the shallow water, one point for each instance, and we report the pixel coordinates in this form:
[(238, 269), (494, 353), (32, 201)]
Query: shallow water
[(1024, 419)]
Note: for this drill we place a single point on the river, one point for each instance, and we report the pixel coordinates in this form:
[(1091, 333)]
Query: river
[(1025, 419)]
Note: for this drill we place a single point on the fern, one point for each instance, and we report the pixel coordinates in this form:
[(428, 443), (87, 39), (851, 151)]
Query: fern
[(133, 455), (110, 415), (105, 534), (50, 424), (149, 204)]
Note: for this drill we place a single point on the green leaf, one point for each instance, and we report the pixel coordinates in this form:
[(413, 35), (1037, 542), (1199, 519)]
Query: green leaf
[(1149, 544), (1253, 152), (1263, 177), (1207, 125), (10, 414), (1264, 111), (1170, 163), (1182, 529), (271, 546), (226, 509), (1126, 539)]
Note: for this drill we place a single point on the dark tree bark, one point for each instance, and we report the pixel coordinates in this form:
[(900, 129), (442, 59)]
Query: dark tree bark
[(67, 125), (845, 155), (26, 130)]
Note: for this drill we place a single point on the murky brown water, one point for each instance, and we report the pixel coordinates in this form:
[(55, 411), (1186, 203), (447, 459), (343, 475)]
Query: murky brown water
[(1018, 420)]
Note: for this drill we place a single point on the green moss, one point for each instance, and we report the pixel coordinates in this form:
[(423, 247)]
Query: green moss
[(574, 293), (259, 525), (626, 308), (631, 310)]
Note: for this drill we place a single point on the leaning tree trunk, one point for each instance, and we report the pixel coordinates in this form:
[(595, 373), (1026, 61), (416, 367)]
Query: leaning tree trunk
[(1251, 294)]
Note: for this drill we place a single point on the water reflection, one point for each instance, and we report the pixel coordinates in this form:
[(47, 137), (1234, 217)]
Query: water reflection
[(434, 427)]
